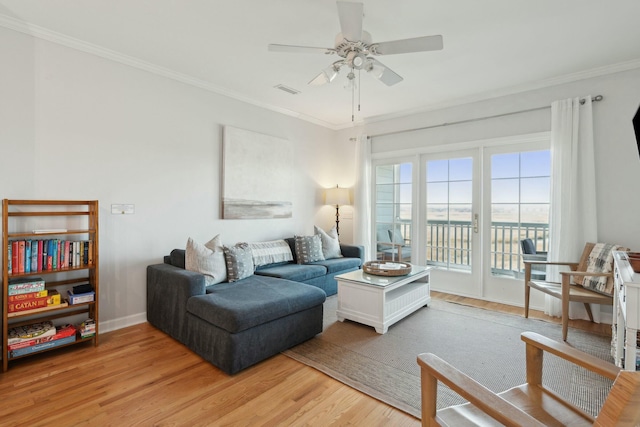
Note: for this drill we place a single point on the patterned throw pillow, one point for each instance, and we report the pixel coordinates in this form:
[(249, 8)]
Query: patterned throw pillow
[(308, 249), (272, 252), (601, 261), (330, 242), (207, 259), (239, 261)]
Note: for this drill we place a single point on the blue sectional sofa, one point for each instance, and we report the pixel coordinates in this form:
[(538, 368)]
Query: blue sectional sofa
[(235, 325)]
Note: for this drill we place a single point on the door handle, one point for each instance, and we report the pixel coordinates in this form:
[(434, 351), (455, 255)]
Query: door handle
[(475, 223)]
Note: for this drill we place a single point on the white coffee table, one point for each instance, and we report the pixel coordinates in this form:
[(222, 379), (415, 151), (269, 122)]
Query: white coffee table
[(381, 301)]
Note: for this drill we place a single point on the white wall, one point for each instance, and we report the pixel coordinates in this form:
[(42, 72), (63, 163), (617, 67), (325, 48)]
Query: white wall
[(78, 126)]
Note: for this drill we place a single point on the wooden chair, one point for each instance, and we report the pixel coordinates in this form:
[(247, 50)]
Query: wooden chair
[(530, 253), (530, 404), (568, 290)]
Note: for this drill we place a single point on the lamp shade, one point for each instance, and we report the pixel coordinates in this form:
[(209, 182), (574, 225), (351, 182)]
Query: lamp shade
[(337, 196)]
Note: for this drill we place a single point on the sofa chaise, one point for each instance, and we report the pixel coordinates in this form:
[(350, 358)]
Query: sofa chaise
[(234, 325)]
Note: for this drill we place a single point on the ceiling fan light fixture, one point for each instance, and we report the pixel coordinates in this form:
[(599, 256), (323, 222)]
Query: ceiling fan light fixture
[(376, 70), (326, 76), (359, 61)]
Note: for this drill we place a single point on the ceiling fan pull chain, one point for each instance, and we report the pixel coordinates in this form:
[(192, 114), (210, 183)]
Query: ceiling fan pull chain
[(359, 82), (353, 96)]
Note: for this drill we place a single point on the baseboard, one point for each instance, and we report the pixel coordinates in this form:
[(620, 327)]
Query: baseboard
[(122, 322)]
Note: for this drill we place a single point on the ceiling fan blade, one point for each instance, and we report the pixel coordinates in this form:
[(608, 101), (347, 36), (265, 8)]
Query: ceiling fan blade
[(350, 15), (300, 49), (417, 44), (383, 73)]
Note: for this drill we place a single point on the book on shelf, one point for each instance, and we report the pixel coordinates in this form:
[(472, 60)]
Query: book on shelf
[(50, 230), (38, 310), (87, 328), (28, 332), (42, 346), (27, 256), (28, 296), (25, 285), (21, 256), (30, 256), (62, 331)]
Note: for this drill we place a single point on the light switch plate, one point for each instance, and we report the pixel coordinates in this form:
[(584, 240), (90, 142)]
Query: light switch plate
[(123, 209)]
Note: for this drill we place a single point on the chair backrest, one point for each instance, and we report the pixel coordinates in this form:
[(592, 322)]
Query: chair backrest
[(584, 261), (528, 247), (622, 407)]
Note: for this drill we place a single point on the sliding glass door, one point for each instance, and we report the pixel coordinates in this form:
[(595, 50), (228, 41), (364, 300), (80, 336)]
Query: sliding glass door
[(451, 212), (465, 212)]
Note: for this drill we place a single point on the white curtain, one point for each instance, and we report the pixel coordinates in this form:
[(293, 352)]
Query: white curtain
[(573, 218), (362, 195)]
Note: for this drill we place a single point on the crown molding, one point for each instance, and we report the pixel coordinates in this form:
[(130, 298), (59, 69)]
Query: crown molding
[(83, 46)]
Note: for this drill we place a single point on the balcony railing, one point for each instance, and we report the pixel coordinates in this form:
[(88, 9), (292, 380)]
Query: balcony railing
[(449, 243)]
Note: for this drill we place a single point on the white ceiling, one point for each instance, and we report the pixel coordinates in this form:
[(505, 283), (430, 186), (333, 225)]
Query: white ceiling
[(491, 47)]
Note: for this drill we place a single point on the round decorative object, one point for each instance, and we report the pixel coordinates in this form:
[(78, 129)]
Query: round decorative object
[(384, 268)]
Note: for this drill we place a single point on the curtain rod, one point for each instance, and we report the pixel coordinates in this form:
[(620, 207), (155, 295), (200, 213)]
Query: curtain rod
[(596, 98)]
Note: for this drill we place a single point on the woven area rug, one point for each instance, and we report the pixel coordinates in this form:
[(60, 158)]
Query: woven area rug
[(484, 344)]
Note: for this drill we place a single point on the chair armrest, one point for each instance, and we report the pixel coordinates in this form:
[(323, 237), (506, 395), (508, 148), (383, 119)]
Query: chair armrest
[(570, 264), (536, 257), (477, 394), (585, 273), (571, 354), (390, 244)]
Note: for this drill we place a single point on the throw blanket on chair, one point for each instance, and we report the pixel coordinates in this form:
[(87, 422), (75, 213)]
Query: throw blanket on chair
[(601, 261)]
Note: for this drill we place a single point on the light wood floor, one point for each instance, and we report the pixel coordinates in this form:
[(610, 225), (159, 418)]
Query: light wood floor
[(138, 376)]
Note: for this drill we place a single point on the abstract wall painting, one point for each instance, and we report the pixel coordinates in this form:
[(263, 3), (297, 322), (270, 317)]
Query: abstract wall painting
[(257, 175)]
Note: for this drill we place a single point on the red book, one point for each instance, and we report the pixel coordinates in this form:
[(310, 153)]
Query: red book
[(14, 257), (66, 254), (30, 296), (27, 305), (21, 256), (40, 243)]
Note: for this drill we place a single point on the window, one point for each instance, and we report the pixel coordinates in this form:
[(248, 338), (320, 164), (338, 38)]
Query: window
[(520, 205), (449, 212), (393, 187)]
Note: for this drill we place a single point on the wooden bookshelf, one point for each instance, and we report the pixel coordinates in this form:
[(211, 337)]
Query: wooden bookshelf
[(41, 220)]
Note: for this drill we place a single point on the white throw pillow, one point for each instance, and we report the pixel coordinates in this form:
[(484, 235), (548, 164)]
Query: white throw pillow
[(207, 259), (272, 252), (330, 242)]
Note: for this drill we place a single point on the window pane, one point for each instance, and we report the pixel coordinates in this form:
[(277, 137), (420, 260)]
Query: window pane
[(437, 170), (437, 192), (535, 190), (460, 169), (505, 165), (536, 163), (460, 192), (505, 191), (535, 213)]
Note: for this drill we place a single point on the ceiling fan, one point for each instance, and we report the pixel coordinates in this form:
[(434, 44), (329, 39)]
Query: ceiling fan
[(356, 49)]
